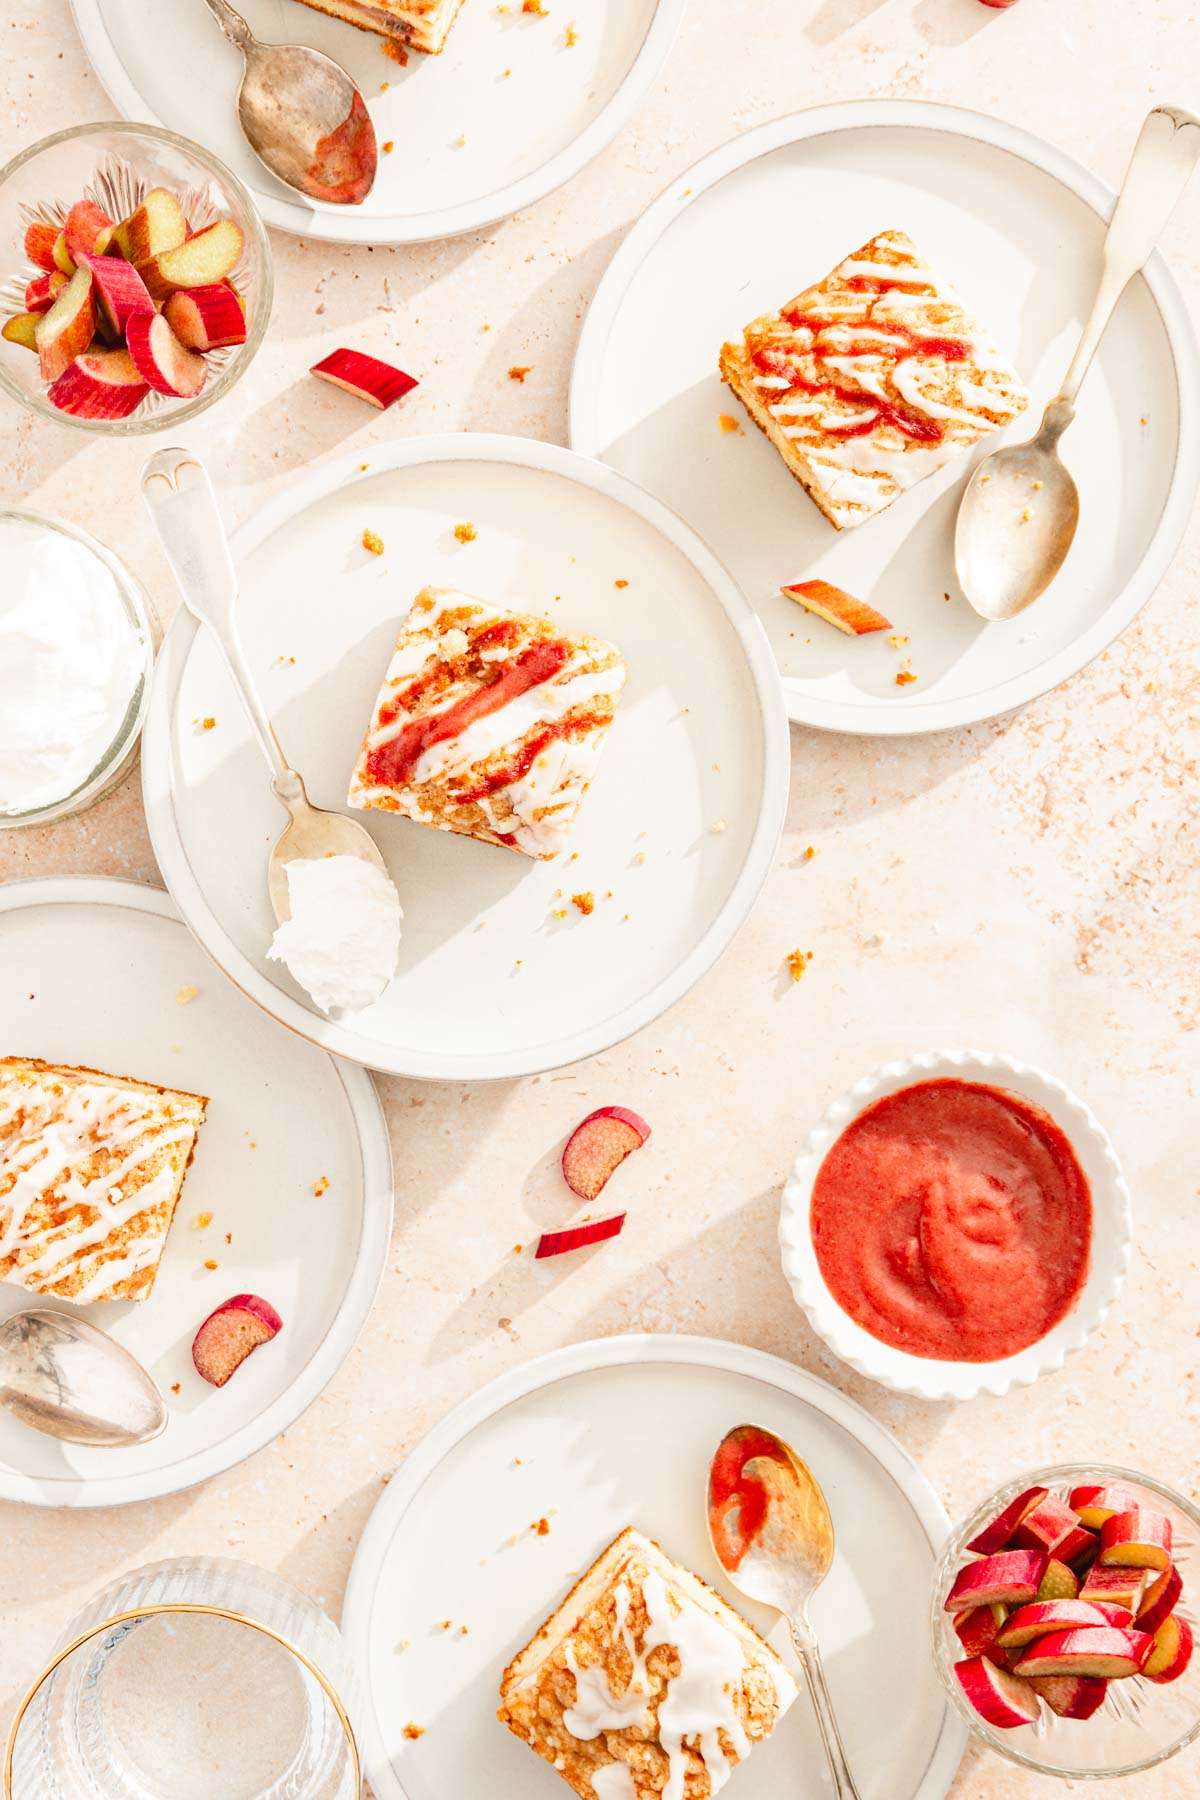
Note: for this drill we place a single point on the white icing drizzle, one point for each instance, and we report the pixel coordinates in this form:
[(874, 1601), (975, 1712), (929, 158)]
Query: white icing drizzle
[(50, 1130), (614, 1782), (699, 1704)]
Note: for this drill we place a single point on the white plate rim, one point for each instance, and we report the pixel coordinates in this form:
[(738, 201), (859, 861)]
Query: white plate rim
[(375, 1150), (869, 719), (350, 226), (341, 1039), (1112, 1209), (720, 1354)]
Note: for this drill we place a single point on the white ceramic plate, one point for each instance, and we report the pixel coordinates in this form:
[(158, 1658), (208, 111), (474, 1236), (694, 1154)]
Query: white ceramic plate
[(89, 973), (1017, 227), (610, 1434), (490, 982), (503, 116), (1112, 1232)]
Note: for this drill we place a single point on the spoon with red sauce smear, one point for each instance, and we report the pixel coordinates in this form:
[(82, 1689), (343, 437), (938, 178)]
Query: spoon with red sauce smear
[(302, 115), (772, 1534)]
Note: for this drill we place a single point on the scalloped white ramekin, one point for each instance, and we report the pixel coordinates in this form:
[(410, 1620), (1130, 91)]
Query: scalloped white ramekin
[(926, 1377)]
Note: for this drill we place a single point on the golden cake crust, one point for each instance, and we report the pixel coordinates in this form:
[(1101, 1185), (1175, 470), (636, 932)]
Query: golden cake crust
[(610, 1636), (91, 1169), (871, 379), (425, 24)]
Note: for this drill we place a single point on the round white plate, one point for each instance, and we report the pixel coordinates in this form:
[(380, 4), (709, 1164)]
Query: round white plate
[(927, 1377), (89, 973), (1017, 227), (504, 115), (490, 982), (594, 1438)]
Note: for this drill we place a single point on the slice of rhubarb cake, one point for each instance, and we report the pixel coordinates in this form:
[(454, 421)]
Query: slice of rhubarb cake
[(871, 380), (488, 723), (644, 1683), (425, 24), (91, 1169)]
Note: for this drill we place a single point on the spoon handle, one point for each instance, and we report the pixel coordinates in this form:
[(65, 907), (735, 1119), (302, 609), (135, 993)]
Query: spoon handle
[(231, 23), (1160, 168), (183, 507), (807, 1650)]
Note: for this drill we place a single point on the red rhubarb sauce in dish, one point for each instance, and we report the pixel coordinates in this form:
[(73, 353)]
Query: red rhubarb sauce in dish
[(952, 1220)]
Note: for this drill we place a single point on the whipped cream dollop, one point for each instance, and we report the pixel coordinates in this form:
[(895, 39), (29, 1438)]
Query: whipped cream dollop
[(343, 938), (70, 662)]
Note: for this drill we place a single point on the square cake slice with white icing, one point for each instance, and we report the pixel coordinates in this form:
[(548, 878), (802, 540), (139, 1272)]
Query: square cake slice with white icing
[(91, 1169), (871, 380), (644, 1683), (488, 723)]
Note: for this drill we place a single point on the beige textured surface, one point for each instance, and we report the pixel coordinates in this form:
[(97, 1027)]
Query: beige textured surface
[(1027, 885)]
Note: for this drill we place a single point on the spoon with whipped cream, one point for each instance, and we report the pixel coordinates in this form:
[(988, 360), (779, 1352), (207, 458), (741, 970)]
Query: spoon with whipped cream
[(335, 903), (772, 1534), (1020, 511), (302, 115), (71, 1380)]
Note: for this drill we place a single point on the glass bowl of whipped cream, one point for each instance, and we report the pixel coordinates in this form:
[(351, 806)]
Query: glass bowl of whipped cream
[(76, 655)]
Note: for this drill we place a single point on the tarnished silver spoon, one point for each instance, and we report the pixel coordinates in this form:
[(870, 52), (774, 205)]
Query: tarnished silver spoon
[(772, 1534), (302, 115), (72, 1381), (1020, 510), (183, 506)]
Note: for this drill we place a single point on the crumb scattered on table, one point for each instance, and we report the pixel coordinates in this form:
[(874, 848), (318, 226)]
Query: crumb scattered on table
[(175, 1387), (904, 676), (320, 1186), (210, 1262), (519, 371), (621, 584), (797, 962), (466, 532), (536, 7), (396, 51), (387, 146), (718, 826), (728, 423), (585, 902), (186, 994), (541, 1527), (413, 1732), (570, 37), (202, 1221)]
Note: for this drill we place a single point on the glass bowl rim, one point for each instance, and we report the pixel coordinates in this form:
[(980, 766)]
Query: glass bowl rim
[(233, 371), (952, 1551), (140, 611)]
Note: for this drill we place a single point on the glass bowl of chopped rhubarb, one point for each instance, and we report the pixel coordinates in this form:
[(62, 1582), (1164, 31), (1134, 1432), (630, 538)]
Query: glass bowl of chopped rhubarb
[(1064, 1615), (135, 278)]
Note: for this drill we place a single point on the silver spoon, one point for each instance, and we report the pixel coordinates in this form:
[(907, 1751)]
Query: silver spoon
[(1020, 510), (183, 506), (771, 1530), (302, 115), (72, 1381)]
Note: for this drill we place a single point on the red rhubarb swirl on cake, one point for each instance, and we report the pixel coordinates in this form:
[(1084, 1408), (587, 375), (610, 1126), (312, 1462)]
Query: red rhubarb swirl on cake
[(489, 723)]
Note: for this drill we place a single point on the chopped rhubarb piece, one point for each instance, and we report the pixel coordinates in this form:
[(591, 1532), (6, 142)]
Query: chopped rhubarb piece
[(1011, 1577), (100, 384), (998, 1697), (157, 224), (1094, 1650), (43, 291), (1118, 1587), (998, 1534), (1172, 1651), (1114, 1615), (1046, 1526), (978, 1629), (837, 607), (1041, 1617), (199, 261), (578, 1237), (40, 239), (1059, 1582), (68, 328), (597, 1145), (1071, 1696), (207, 318), (1096, 1504), (63, 259), (118, 289), (21, 329), (376, 382), (1138, 1539), (161, 359), (229, 1334), (1160, 1600), (88, 231)]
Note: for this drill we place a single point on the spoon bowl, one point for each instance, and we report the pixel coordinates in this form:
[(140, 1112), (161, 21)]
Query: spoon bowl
[(1017, 521), (69, 1379), (772, 1533)]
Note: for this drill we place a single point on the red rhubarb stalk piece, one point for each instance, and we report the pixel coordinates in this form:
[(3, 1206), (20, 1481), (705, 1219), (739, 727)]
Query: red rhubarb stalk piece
[(376, 382), (100, 384), (578, 1237), (228, 1335), (206, 318), (598, 1145)]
